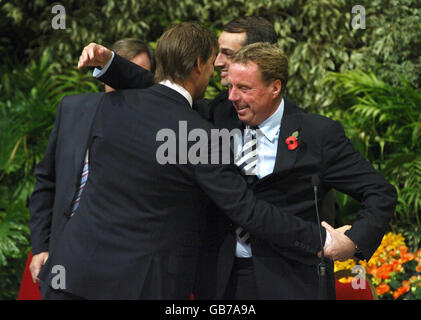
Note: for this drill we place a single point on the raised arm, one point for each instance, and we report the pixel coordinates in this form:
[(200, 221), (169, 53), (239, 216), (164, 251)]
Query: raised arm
[(120, 74)]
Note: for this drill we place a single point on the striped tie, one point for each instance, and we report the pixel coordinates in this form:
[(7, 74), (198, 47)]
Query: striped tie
[(247, 164), (83, 179), (248, 161)]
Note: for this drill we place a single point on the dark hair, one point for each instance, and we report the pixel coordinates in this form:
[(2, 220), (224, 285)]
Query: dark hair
[(131, 47), (257, 29), (179, 48)]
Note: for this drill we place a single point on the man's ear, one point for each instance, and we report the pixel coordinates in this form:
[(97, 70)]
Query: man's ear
[(276, 88), (199, 65)]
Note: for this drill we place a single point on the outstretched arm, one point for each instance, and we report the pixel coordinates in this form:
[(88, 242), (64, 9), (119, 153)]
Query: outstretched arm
[(120, 73)]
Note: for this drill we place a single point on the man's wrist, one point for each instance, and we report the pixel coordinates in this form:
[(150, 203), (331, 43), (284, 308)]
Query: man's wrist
[(99, 71), (328, 240)]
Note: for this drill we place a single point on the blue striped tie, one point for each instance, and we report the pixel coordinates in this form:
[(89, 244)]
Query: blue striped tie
[(83, 179)]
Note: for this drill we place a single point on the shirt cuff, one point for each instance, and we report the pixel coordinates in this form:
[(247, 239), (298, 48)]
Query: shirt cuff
[(100, 72), (328, 240)]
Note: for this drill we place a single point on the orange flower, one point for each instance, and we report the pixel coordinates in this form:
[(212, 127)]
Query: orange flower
[(400, 291), (418, 268), (403, 249), (383, 272), (382, 289), (408, 257)]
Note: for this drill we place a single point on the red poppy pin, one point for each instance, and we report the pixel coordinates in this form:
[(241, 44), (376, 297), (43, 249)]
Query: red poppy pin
[(292, 141)]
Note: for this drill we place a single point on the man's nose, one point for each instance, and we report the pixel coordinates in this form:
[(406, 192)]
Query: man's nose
[(219, 61), (233, 94)]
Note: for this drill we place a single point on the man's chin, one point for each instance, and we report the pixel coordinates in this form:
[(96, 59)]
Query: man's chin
[(224, 82), (244, 119)]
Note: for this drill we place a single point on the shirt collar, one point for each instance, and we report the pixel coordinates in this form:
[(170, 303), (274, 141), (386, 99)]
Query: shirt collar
[(179, 89), (270, 127)]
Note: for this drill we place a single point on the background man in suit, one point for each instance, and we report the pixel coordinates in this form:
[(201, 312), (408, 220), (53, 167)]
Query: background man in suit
[(134, 50), (137, 227)]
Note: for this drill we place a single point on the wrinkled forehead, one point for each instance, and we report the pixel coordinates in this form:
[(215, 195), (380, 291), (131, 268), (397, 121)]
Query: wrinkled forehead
[(243, 72)]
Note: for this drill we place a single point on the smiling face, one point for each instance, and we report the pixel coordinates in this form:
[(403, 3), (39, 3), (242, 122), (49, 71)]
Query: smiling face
[(253, 99), (229, 43)]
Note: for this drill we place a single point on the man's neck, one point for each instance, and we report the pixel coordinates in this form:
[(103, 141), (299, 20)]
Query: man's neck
[(180, 89), (275, 105)]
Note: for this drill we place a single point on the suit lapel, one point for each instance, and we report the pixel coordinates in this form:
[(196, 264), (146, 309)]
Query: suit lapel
[(83, 129), (285, 158)]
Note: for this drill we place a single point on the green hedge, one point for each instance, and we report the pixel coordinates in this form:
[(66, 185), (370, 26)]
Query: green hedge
[(316, 35)]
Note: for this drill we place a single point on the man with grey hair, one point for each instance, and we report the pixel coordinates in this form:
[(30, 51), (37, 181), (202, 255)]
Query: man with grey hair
[(310, 148)]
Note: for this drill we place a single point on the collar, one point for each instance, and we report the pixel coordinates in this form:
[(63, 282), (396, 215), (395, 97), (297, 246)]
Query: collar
[(270, 127), (179, 89)]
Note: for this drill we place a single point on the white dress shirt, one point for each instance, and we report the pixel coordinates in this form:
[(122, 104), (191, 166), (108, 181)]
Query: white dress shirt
[(267, 147)]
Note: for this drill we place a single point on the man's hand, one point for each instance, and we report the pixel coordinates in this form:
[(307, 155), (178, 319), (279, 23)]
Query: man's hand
[(94, 55), (341, 248), (37, 262)]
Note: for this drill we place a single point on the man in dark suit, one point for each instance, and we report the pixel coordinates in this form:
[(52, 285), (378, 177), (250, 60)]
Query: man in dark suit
[(132, 49), (136, 231), (323, 152), (309, 146)]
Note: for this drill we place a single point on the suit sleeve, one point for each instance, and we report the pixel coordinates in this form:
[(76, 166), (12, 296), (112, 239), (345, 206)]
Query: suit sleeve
[(225, 186), (347, 171), (124, 74), (42, 199)]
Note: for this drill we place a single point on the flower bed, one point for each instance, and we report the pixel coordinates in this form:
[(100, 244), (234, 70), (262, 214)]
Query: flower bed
[(393, 270)]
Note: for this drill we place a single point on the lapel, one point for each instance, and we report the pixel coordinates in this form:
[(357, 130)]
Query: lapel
[(81, 124), (291, 121), (84, 124), (226, 117), (81, 139), (285, 158)]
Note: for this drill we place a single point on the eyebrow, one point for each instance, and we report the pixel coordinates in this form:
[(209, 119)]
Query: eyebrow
[(226, 50)]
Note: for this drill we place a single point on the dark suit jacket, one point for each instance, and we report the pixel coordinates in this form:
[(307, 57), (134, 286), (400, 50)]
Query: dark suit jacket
[(138, 229), (323, 150), (58, 173)]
